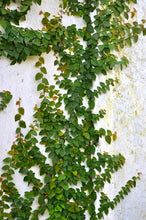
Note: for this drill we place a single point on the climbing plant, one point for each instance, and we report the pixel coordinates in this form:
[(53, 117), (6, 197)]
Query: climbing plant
[(78, 170), (5, 98)]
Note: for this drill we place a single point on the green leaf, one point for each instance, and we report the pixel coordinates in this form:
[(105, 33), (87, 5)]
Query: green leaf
[(126, 15), (56, 62), (108, 139), (102, 131), (128, 41), (6, 206), (45, 81), (61, 177), (144, 31), (91, 209), (37, 42), (18, 130), (47, 180), (17, 117), (47, 36), (10, 184), (45, 20), (64, 186), (111, 46), (3, 23), (100, 215), (40, 87), (7, 160), (29, 195), (101, 47), (24, 8), (34, 218), (91, 104), (33, 132), (106, 210), (135, 38), (43, 70), (21, 110), (23, 170), (38, 76), (22, 124), (52, 87), (6, 167), (109, 132), (3, 11)]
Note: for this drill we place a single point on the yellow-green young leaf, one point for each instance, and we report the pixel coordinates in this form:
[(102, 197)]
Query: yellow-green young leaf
[(41, 59), (86, 135), (46, 14), (24, 8), (61, 177), (75, 173), (60, 133), (38, 64), (21, 110), (114, 137), (17, 117)]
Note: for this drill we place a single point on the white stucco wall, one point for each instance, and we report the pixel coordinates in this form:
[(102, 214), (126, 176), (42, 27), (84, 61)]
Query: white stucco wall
[(124, 105)]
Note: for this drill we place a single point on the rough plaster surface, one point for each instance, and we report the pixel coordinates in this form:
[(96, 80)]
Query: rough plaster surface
[(124, 105)]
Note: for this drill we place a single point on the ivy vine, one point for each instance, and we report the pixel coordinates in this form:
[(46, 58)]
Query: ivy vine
[(78, 171), (5, 98)]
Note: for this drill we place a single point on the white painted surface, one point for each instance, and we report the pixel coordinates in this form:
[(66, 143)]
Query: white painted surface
[(124, 105)]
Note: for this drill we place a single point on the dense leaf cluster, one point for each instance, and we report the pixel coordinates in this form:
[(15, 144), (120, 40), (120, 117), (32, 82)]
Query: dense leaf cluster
[(76, 175), (19, 13)]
